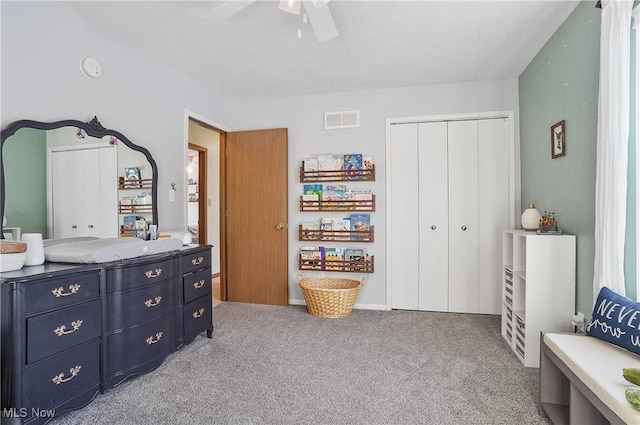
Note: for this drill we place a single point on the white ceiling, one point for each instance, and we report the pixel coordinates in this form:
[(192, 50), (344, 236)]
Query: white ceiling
[(256, 54)]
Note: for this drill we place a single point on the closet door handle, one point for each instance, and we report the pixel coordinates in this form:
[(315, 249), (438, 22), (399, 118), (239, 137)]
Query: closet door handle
[(464, 227), (74, 227), (433, 227), (90, 226)]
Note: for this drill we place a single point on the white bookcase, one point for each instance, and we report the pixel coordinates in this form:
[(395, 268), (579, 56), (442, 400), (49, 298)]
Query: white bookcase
[(538, 290)]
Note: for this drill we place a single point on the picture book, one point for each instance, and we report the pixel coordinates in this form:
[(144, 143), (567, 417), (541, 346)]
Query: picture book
[(343, 225), (333, 258), (310, 202), (330, 162), (310, 230), (311, 257), (360, 223), (356, 258), (333, 199), (310, 164), (129, 222), (367, 162), (132, 177), (337, 187), (310, 189), (352, 165)]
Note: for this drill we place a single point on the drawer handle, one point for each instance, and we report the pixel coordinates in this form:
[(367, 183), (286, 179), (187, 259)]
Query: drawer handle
[(152, 340), (59, 379), (153, 273), (198, 314), (62, 330), (59, 292), (199, 284), (152, 302), (197, 261)]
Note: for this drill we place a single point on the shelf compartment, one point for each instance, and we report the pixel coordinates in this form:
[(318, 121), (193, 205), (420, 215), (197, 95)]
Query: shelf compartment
[(342, 205), (368, 174), (363, 266), (135, 184), (336, 235)]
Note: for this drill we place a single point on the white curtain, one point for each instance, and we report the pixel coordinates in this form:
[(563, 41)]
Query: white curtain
[(612, 146)]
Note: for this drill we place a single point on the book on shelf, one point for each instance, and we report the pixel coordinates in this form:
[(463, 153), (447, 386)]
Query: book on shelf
[(310, 202), (310, 164), (360, 222), (312, 189), (364, 196), (326, 225), (330, 162), (311, 257), (341, 224), (352, 164), (333, 258), (129, 222), (311, 227), (356, 258), (367, 162), (335, 198)]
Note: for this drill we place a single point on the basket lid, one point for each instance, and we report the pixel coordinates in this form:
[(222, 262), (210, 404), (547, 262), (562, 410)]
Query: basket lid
[(10, 247)]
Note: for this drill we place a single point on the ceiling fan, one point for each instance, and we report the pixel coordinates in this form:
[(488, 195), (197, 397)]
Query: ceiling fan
[(316, 10)]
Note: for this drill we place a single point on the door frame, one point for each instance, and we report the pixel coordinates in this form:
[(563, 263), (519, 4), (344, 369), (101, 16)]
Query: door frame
[(514, 168), (203, 177), (222, 130)]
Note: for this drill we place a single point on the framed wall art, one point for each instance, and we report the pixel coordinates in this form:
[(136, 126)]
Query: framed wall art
[(558, 140)]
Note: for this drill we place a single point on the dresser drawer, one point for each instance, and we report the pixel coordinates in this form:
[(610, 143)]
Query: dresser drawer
[(62, 329), (197, 284), (131, 348), (196, 261), (124, 278), (197, 317), (55, 292), (51, 382), (126, 309)]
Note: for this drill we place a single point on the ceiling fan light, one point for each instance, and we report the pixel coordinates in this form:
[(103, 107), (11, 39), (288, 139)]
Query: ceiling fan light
[(291, 6), (319, 3)]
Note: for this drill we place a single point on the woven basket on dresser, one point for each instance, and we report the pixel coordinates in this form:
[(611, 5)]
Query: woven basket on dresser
[(329, 297)]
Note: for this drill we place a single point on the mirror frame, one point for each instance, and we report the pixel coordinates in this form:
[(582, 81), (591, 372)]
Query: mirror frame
[(93, 128)]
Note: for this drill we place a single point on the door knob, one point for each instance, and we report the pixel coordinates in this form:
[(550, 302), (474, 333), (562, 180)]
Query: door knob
[(464, 227), (90, 226), (433, 227), (279, 226), (74, 227)]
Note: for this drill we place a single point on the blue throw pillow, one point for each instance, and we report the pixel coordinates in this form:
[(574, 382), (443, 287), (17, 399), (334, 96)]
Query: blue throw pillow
[(616, 319)]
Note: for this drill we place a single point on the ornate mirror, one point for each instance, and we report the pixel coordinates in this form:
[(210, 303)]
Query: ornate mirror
[(73, 179)]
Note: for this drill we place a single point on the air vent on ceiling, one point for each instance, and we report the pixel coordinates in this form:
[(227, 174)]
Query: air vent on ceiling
[(342, 119)]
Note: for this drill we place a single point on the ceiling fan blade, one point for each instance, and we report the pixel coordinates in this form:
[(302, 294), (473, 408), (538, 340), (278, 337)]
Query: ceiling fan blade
[(227, 9), (321, 20)]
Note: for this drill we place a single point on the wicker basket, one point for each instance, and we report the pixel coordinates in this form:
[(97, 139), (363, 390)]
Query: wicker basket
[(330, 297)]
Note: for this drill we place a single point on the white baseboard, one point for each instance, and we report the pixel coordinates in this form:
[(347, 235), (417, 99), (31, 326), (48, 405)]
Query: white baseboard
[(357, 306)]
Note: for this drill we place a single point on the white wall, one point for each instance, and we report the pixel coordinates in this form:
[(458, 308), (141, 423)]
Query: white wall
[(42, 45), (303, 116)]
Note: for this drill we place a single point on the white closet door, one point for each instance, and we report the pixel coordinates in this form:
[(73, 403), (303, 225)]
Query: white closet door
[(67, 181), (493, 160), (463, 216), (404, 216), (101, 192), (434, 217)]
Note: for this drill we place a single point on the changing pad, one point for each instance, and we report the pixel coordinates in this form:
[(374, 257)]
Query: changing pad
[(96, 250)]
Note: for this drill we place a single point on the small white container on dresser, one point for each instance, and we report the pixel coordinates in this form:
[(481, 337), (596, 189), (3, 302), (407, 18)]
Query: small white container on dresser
[(538, 290)]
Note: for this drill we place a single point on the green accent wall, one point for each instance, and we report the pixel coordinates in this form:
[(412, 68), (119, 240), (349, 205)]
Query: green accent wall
[(561, 83)]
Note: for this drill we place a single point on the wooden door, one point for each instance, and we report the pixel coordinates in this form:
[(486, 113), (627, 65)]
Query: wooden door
[(255, 238), (434, 217), (463, 216)]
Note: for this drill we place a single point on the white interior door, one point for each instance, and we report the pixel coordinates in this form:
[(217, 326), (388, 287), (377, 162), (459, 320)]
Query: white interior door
[(463, 216), (433, 223), (404, 216), (67, 176)]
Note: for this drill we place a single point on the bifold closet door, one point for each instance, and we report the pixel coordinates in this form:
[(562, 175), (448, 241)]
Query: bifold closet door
[(85, 193), (433, 222), (463, 216), (402, 194)]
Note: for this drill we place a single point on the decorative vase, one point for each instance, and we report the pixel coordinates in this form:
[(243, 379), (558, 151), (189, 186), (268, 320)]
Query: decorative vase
[(531, 218), (35, 249)]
